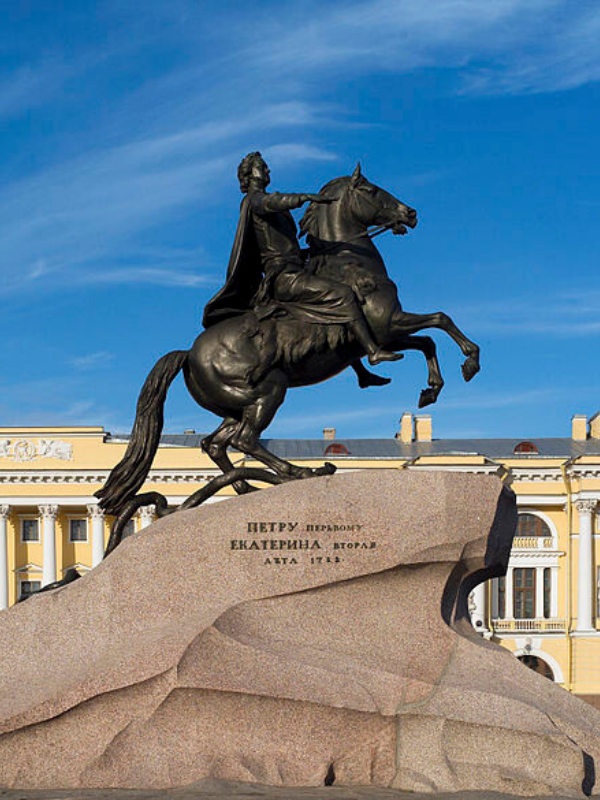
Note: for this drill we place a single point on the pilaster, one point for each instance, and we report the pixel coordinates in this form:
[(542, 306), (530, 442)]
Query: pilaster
[(4, 513), (96, 516), (48, 514), (585, 565)]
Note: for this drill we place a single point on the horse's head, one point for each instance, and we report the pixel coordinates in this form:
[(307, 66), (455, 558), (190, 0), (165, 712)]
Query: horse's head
[(372, 205), (357, 201)]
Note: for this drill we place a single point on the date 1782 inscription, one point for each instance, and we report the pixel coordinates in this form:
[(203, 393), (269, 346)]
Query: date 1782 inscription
[(281, 543)]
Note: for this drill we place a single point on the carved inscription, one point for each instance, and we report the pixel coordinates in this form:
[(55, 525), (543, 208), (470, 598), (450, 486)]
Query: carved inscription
[(285, 543)]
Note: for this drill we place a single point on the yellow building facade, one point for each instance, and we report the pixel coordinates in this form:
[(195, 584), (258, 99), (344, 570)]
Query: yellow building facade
[(546, 610)]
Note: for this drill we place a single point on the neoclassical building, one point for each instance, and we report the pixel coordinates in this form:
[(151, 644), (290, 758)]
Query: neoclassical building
[(546, 610)]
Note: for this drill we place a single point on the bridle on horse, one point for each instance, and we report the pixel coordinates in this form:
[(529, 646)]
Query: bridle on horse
[(376, 231)]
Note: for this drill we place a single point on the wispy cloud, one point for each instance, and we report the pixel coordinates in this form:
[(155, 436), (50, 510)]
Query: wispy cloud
[(28, 87), (508, 46), (55, 226), (49, 401), (486, 401), (92, 360), (162, 151), (570, 314), (295, 423)]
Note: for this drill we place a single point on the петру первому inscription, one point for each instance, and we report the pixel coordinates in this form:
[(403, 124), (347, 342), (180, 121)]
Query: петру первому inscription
[(304, 548)]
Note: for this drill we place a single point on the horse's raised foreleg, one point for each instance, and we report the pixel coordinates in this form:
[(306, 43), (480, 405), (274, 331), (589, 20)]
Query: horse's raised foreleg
[(215, 446), (411, 323), (256, 417), (425, 345)]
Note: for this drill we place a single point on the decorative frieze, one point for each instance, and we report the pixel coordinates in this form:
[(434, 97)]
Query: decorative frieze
[(31, 449)]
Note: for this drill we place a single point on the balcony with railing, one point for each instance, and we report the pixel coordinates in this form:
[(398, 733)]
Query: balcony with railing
[(532, 543), (538, 625)]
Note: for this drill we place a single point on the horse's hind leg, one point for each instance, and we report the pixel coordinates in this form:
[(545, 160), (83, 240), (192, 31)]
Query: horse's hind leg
[(425, 345), (256, 417), (411, 323), (215, 446)]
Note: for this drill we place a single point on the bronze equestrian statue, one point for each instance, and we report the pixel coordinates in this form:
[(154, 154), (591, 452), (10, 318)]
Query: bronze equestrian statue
[(284, 318)]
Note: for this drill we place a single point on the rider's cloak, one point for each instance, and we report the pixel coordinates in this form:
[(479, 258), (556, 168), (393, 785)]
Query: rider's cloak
[(244, 274)]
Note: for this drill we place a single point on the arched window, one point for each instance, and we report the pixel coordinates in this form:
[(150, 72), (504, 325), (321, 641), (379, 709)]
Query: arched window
[(337, 449), (532, 525), (537, 665), (525, 447)]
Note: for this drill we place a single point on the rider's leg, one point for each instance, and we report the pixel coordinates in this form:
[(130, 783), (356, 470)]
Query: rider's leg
[(366, 378), (336, 301), (375, 353), (215, 446)]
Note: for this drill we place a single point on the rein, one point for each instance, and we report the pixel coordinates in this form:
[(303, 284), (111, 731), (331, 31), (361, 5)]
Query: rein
[(367, 234)]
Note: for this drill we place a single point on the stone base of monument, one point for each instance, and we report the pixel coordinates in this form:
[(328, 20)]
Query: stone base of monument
[(310, 634)]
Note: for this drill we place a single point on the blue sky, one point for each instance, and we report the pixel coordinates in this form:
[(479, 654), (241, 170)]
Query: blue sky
[(122, 124)]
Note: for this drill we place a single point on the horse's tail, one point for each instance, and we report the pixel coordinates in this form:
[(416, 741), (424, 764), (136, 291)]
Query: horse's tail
[(130, 473)]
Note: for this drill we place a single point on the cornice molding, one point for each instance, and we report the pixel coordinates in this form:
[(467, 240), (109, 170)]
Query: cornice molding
[(584, 471), (543, 558), (49, 477), (536, 474)]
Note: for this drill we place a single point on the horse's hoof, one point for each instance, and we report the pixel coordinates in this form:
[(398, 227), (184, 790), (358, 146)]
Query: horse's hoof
[(243, 487), (427, 397), (327, 469), (470, 368)]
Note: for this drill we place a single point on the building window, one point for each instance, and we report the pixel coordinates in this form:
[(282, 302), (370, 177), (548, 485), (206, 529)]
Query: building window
[(27, 588), (78, 530), (524, 592), (129, 528), (502, 597), (547, 590), (531, 525), (30, 530), (336, 449), (537, 665), (526, 447)]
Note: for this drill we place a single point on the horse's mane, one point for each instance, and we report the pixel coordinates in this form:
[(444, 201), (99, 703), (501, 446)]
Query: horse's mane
[(309, 224)]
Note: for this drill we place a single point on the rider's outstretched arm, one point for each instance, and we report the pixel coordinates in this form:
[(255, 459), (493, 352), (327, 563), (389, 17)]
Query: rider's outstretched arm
[(277, 201)]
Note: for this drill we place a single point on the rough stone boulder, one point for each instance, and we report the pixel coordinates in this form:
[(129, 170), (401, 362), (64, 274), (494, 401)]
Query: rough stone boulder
[(310, 633)]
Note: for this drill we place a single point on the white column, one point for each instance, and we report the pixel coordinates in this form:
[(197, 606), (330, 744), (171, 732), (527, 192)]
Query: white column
[(477, 607), (509, 611), (147, 516), (4, 512), (585, 565), (554, 592), (48, 514), (495, 604), (96, 516), (539, 592)]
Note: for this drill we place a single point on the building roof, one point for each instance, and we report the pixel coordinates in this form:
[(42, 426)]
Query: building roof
[(395, 449)]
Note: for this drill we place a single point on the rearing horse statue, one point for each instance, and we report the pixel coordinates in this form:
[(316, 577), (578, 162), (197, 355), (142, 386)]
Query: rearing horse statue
[(284, 351)]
